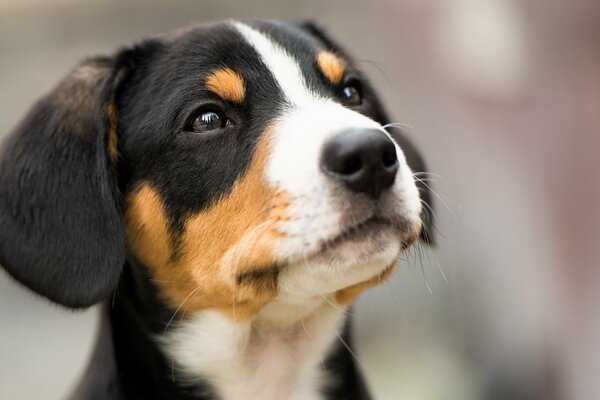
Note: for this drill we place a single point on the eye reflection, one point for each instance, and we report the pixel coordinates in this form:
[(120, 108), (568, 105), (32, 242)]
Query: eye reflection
[(208, 121), (351, 95)]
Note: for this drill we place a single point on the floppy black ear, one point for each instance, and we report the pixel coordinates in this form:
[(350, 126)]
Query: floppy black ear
[(377, 111), (61, 230)]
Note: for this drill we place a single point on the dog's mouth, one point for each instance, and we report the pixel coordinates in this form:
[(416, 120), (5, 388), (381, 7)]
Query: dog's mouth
[(358, 231), (361, 242), (368, 231)]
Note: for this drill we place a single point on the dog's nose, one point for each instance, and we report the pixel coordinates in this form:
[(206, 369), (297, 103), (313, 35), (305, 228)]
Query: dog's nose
[(364, 160)]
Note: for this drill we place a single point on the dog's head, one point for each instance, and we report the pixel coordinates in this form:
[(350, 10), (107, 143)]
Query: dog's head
[(237, 162)]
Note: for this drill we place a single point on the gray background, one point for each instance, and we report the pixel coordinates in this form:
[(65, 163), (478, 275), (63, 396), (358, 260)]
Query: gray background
[(503, 98)]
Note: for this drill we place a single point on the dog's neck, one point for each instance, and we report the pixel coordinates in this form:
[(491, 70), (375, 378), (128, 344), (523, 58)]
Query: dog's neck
[(286, 352), (269, 357)]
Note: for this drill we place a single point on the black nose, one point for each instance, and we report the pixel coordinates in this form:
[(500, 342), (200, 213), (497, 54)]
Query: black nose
[(364, 160)]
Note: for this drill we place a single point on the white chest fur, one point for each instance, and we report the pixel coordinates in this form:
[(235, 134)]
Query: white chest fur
[(277, 356)]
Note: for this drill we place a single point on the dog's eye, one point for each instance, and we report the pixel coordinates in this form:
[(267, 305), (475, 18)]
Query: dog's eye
[(351, 94), (209, 121)]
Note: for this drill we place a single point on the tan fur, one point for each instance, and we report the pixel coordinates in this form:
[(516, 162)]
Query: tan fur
[(349, 295), (227, 84), (331, 66), (112, 114), (225, 259), (147, 227)]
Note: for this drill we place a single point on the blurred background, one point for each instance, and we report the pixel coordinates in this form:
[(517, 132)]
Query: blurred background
[(503, 99)]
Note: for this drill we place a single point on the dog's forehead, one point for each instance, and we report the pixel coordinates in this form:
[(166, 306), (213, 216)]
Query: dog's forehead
[(256, 50), (296, 41), (226, 42)]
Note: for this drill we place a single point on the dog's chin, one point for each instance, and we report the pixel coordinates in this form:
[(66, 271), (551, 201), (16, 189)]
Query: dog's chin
[(356, 255)]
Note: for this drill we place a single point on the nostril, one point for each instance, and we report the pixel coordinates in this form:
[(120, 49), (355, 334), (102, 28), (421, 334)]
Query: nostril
[(351, 165)]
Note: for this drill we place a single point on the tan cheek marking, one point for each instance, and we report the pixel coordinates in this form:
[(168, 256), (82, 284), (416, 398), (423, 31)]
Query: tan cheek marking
[(112, 114), (147, 228), (347, 296), (226, 260), (331, 66), (227, 84)]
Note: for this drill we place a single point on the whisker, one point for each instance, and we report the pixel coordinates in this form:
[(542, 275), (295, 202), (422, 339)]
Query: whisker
[(439, 266), (439, 198), (427, 179), (398, 125), (410, 257), (429, 217), (418, 251), (379, 67), (335, 305), (349, 350), (181, 305), (426, 281), (429, 213), (304, 327), (362, 34), (427, 173)]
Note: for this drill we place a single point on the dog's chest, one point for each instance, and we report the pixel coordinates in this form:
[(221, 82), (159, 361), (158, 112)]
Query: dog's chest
[(254, 360)]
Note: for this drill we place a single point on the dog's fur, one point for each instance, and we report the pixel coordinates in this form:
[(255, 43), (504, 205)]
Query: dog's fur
[(226, 259)]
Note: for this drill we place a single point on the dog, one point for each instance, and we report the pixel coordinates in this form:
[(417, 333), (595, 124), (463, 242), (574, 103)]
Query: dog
[(227, 191)]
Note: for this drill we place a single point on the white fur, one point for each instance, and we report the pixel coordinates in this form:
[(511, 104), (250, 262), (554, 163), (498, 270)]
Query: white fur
[(268, 358), (281, 64)]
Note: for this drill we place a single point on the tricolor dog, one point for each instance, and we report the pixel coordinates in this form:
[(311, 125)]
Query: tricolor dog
[(228, 191)]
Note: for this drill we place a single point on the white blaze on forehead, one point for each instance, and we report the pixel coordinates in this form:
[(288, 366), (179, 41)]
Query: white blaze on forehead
[(283, 66)]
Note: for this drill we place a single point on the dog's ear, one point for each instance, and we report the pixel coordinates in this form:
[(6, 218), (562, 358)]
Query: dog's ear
[(61, 229), (377, 111), (316, 31)]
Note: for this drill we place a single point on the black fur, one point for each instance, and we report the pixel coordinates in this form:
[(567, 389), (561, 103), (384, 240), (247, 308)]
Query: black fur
[(61, 230), (61, 222)]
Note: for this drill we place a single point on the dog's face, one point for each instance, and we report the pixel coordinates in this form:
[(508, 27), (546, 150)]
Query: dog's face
[(239, 163)]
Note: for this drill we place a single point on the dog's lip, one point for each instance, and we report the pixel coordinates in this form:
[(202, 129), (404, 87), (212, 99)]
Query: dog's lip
[(353, 231), (358, 229)]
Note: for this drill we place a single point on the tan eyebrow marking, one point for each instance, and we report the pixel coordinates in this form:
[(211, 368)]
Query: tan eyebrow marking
[(331, 66), (227, 84)]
